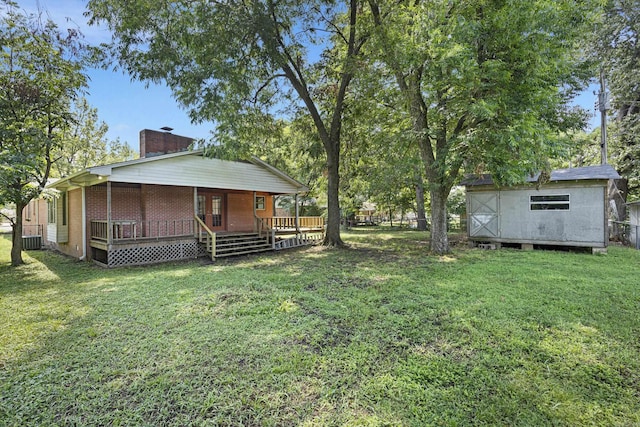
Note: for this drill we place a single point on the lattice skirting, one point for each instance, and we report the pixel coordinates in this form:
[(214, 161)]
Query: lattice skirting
[(153, 252)]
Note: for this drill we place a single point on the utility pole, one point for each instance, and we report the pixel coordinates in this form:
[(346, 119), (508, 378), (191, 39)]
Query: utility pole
[(603, 106)]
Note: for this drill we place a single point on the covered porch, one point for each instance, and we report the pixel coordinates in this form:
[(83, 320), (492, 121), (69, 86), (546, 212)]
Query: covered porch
[(193, 222)]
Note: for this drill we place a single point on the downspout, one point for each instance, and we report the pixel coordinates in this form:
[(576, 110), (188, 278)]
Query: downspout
[(84, 225)]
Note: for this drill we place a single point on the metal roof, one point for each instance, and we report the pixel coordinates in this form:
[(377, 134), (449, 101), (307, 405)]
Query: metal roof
[(599, 172)]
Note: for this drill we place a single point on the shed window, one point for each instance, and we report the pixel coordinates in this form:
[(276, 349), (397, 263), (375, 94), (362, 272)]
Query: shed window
[(260, 203), (555, 202)]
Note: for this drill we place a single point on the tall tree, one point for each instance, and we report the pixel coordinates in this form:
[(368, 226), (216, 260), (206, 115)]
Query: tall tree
[(40, 75), (485, 83), (616, 47), (86, 144), (232, 62)]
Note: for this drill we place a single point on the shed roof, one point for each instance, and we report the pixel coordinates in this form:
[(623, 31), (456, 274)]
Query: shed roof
[(191, 169), (599, 172)]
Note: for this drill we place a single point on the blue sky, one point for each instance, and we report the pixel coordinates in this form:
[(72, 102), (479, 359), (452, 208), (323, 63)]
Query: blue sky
[(129, 106), (126, 106)]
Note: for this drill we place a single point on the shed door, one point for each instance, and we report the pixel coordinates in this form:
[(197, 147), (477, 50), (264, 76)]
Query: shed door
[(483, 214)]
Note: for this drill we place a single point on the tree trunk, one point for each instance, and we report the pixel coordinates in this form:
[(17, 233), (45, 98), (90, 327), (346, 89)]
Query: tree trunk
[(439, 238), (332, 236), (420, 211), (16, 248), (618, 189)]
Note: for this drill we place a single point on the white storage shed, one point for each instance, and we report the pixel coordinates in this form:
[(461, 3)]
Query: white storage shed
[(569, 210)]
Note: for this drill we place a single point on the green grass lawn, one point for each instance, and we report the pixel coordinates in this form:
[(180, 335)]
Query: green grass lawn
[(380, 334)]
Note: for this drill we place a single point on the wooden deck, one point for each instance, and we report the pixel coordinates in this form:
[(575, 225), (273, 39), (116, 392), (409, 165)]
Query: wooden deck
[(131, 242)]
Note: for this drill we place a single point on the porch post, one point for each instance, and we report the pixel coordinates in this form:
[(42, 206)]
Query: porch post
[(109, 230), (195, 210), (297, 214), (255, 220), (84, 224)]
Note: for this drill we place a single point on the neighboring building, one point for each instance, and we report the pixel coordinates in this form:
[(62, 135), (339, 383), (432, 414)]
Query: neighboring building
[(569, 210), (366, 215), (171, 204)]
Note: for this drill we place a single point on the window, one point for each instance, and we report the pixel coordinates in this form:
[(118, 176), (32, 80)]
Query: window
[(63, 202), (556, 202), (260, 203), (51, 211), (216, 211)]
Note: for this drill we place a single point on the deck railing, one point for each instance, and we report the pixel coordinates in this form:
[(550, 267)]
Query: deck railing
[(133, 229), (206, 236), (289, 223)]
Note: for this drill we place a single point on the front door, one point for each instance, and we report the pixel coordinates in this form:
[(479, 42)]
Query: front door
[(211, 209)]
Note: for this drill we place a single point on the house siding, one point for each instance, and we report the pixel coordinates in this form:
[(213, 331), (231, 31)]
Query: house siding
[(198, 171)]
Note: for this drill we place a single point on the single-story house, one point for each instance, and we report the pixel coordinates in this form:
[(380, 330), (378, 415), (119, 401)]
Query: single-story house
[(571, 209), (172, 203)]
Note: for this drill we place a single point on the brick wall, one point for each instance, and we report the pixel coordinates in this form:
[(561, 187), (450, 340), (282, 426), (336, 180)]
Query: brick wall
[(268, 206), (165, 208), (162, 202), (74, 221), (154, 143), (34, 214), (96, 199), (240, 212), (144, 204)]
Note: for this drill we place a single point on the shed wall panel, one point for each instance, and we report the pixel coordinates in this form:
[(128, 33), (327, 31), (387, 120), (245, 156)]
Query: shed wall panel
[(583, 224)]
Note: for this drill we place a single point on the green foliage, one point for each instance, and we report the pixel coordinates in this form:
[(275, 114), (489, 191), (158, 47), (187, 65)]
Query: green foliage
[(378, 334), (485, 84), (85, 143), (242, 65), (615, 46), (40, 76)]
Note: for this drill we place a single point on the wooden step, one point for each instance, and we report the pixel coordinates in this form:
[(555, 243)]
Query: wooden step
[(231, 244), (237, 236), (231, 248), (243, 252), (239, 239)]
